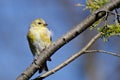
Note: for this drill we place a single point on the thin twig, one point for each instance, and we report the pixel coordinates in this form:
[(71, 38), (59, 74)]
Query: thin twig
[(73, 57), (102, 51), (113, 13), (117, 16)]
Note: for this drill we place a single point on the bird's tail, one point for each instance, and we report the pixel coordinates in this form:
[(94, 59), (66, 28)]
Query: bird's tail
[(44, 67)]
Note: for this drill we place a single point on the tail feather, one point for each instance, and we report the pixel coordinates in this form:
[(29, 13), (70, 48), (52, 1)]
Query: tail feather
[(44, 67)]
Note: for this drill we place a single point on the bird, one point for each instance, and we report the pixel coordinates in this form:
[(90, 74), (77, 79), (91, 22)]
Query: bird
[(39, 37)]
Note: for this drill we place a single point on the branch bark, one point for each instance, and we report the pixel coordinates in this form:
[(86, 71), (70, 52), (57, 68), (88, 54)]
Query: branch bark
[(49, 51)]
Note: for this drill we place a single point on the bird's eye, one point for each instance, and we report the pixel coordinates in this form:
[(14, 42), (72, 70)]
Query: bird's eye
[(39, 23)]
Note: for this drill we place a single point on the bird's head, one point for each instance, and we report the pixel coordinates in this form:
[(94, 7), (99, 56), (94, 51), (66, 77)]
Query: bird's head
[(39, 22)]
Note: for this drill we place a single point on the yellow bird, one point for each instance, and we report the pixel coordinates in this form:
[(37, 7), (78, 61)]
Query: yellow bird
[(39, 37)]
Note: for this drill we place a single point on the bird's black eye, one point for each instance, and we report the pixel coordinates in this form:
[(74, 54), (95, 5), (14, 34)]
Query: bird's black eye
[(39, 23)]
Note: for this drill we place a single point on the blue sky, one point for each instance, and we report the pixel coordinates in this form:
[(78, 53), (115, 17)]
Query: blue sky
[(61, 16)]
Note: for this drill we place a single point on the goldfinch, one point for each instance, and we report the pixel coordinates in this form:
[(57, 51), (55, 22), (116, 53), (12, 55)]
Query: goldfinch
[(39, 37)]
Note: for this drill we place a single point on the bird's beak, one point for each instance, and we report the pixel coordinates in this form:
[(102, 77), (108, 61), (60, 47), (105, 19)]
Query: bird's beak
[(45, 24)]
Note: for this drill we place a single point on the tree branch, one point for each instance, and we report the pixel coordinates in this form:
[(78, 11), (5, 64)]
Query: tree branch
[(32, 69), (102, 51)]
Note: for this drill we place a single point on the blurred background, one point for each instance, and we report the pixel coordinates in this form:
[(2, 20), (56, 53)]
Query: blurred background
[(61, 16)]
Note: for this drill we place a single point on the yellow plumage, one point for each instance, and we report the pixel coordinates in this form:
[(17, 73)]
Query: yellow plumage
[(39, 37)]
